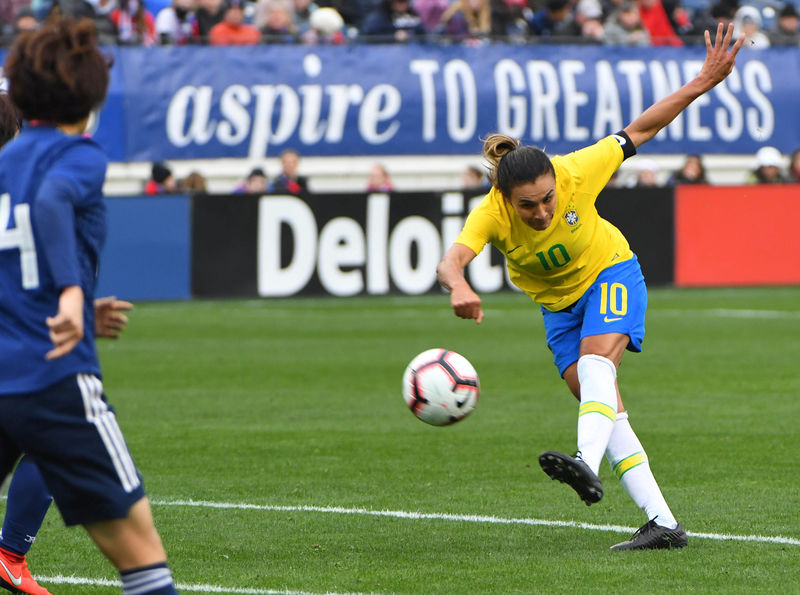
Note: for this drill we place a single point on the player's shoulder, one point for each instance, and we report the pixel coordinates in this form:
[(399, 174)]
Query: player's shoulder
[(86, 147), (489, 201), (608, 146), (82, 156)]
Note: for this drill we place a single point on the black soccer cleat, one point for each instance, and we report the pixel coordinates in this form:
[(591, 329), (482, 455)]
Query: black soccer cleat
[(575, 473), (654, 537)]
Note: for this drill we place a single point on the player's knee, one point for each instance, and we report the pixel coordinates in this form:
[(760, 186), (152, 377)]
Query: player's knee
[(591, 364)]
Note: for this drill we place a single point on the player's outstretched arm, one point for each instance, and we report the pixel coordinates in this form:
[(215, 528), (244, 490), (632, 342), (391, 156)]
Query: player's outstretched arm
[(109, 320), (720, 59), (465, 302)]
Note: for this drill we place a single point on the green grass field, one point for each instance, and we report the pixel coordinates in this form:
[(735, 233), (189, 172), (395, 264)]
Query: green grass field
[(269, 434)]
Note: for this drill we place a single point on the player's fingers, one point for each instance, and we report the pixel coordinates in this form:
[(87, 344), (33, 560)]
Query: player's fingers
[(707, 37), (122, 305), (58, 323), (117, 320), (104, 302), (726, 42), (738, 45), (479, 317), (718, 38), (60, 350), (64, 336)]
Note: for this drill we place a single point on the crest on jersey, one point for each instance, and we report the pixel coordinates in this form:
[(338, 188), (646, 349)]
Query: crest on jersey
[(571, 217)]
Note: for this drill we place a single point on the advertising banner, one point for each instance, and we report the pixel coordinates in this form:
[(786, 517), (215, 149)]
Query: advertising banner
[(207, 102), (737, 236), (376, 244), (339, 245)]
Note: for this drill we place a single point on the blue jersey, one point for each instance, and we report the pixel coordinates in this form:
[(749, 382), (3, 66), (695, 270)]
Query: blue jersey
[(52, 228)]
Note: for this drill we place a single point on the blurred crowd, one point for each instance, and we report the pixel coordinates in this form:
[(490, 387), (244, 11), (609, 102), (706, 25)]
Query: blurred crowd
[(771, 167), (474, 22)]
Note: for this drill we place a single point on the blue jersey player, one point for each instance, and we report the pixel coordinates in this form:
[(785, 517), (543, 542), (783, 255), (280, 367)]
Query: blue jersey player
[(52, 227), (28, 497)]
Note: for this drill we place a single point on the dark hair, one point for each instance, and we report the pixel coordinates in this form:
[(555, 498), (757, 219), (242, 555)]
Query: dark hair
[(160, 172), (788, 10), (57, 73), (555, 5), (9, 119), (512, 164)]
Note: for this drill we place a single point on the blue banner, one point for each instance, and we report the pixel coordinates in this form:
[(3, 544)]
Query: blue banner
[(207, 102)]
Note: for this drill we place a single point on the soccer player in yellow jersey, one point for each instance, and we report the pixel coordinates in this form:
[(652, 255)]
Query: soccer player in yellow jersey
[(580, 269)]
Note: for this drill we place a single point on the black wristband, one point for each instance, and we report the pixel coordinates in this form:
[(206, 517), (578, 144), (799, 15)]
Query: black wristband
[(628, 150)]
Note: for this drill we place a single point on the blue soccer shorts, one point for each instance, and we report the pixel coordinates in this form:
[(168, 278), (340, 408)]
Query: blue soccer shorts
[(71, 433), (615, 303)]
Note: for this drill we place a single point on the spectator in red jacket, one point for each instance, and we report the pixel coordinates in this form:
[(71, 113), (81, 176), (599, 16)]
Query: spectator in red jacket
[(656, 21), (232, 30)]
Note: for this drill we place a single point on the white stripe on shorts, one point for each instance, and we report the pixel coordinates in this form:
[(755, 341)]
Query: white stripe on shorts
[(105, 421)]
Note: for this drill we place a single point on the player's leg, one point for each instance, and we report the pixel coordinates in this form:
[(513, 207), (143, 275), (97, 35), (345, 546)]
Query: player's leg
[(593, 380), (14, 574), (563, 338), (597, 377), (613, 321), (134, 547), (26, 507), (630, 464), (85, 461)]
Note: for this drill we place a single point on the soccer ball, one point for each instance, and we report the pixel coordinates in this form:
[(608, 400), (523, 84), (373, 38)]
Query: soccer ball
[(440, 387)]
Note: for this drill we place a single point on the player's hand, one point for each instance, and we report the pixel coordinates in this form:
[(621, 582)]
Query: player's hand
[(719, 61), (466, 303), (109, 320), (66, 327)]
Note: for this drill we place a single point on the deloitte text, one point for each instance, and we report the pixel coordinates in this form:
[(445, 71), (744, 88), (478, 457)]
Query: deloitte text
[(369, 249)]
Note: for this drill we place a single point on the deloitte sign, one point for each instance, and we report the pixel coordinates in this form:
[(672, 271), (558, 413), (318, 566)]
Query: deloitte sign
[(365, 244)]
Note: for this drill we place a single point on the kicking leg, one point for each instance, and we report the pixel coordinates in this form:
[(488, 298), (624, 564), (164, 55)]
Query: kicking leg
[(593, 379)]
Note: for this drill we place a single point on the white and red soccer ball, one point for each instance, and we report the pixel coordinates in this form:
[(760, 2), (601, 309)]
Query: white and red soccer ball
[(440, 387)]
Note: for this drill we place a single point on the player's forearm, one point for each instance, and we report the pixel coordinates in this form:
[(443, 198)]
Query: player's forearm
[(449, 273), (661, 113)]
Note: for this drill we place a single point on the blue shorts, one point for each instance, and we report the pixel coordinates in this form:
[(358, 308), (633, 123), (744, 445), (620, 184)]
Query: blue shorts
[(72, 435), (615, 303)]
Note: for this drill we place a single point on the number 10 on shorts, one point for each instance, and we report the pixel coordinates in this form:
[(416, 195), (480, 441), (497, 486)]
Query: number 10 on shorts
[(613, 299)]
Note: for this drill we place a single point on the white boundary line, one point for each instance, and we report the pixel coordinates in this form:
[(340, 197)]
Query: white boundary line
[(100, 582), (727, 313), (464, 518)]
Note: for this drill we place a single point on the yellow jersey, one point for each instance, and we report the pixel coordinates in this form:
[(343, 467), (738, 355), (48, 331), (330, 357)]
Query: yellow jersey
[(557, 265)]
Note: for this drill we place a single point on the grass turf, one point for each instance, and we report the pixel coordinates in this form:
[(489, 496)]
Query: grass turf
[(297, 403)]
